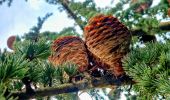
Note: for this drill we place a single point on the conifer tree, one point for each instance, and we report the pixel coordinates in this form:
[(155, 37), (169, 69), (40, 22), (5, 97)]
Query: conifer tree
[(27, 73)]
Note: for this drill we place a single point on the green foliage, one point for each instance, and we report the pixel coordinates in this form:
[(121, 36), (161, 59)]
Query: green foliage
[(69, 31), (54, 75), (70, 69), (12, 67), (2, 91), (59, 74), (68, 96), (65, 72), (84, 10), (35, 53), (148, 25), (48, 74), (146, 20), (33, 50), (33, 34), (149, 67)]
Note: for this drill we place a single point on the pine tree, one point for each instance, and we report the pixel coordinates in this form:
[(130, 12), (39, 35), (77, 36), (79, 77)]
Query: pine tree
[(27, 73)]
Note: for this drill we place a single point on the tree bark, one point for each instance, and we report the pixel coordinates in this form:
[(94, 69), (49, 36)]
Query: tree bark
[(74, 87), (163, 26)]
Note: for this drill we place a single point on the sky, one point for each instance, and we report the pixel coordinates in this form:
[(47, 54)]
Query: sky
[(21, 16)]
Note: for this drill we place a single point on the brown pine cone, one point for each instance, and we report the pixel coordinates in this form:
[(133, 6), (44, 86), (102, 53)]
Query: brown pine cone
[(10, 42), (108, 40), (70, 49)]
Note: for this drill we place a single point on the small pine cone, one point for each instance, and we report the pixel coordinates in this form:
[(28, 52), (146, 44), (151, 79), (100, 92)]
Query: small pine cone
[(108, 40), (10, 42), (70, 49)]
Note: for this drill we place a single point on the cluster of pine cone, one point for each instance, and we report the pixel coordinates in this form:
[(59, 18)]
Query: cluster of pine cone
[(106, 42)]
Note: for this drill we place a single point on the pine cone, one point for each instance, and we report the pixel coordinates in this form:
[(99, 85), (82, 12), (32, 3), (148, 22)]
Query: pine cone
[(70, 49), (10, 42), (108, 40)]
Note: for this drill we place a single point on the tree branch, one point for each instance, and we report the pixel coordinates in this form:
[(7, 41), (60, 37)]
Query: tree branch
[(64, 3), (163, 26), (74, 87)]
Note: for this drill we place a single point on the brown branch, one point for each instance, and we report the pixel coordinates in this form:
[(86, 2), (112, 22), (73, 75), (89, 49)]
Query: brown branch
[(73, 87), (64, 3), (163, 26)]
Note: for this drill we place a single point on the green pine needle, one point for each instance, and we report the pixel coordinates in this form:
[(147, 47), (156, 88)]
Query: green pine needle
[(150, 69)]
